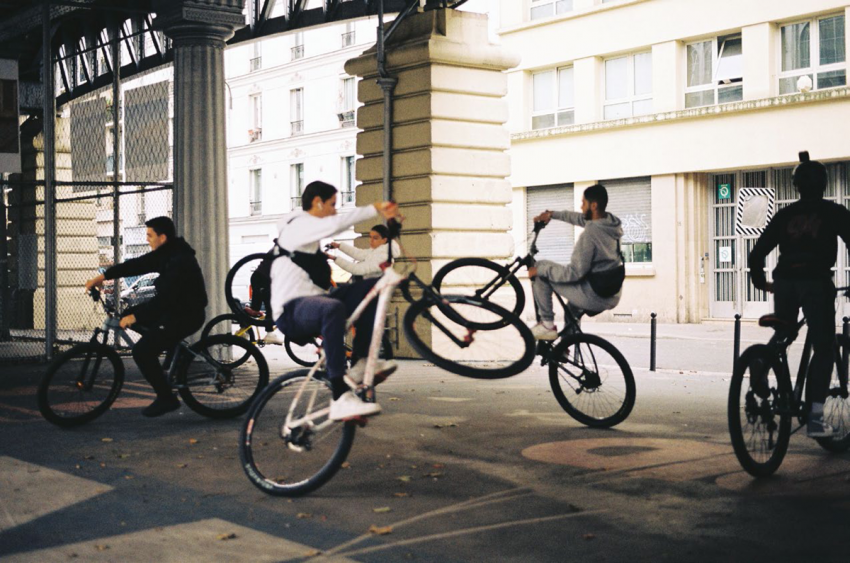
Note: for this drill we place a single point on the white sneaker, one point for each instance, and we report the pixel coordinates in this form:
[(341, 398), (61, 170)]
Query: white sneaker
[(350, 405), (817, 428), (541, 332), (383, 370), (273, 338)]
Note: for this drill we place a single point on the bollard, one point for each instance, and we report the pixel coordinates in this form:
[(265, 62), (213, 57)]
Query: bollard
[(737, 339), (652, 337), (845, 356)]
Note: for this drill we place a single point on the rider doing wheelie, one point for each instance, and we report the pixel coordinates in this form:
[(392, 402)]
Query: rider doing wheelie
[(806, 232)]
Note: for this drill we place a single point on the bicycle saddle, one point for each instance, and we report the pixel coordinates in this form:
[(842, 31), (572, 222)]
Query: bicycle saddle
[(772, 321)]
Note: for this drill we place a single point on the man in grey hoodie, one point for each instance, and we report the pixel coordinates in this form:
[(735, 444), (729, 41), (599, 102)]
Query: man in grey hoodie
[(597, 250)]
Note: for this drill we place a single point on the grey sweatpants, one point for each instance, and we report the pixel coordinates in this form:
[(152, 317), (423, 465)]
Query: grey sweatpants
[(579, 296)]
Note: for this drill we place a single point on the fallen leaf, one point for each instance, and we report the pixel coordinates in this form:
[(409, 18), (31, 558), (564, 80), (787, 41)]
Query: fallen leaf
[(345, 465), (182, 465), (380, 531), (437, 465), (404, 478), (382, 510), (313, 553), (394, 399), (434, 474), (103, 465), (589, 536), (106, 439), (225, 537), (414, 466), (128, 477), (193, 441), (401, 495), (100, 547), (303, 515), (78, 466)]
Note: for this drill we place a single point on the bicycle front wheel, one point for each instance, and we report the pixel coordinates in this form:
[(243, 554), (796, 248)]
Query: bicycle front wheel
[(237, 285), (485, 280), (293, 460), (445, 333), (836, 409), (80, 385), (592, 380), (215, 381), (759, 422)]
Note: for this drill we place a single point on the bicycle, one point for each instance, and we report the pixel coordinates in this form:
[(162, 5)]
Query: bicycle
[(289, 447), (82, 383), (580, 373), (760, 424)]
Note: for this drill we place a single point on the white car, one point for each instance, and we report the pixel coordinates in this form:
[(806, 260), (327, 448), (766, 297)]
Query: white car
[(139, 291)]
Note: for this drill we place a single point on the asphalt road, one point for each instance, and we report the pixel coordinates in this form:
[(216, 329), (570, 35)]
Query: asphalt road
[(454, 469)]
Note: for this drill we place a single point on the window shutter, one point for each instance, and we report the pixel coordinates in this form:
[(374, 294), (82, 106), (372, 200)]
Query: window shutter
[(631, 201), (556, 241)]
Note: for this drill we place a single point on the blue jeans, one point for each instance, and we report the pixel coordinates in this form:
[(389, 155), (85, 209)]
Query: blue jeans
[(325, 315)]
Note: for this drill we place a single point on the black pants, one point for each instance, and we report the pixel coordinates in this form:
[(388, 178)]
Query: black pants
[(325, 315), (261, 296), (155, 340), (817, 299)]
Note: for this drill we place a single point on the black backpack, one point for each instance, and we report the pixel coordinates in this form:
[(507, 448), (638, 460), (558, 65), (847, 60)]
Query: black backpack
[(608, 282)]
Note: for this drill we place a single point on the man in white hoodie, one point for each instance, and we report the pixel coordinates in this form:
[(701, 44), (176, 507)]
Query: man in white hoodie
[(596, 251), (302, 302), (367, 262)]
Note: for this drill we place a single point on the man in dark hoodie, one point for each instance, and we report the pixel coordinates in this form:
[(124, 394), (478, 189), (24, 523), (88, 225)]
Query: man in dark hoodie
[(174, 313), (807, 234), (596, 250)]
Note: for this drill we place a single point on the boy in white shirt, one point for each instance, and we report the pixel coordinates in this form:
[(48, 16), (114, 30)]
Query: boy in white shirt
[(303, 304), (367, 262)]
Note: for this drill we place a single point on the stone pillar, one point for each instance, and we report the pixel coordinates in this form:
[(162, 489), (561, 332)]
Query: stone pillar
[(450, 161), (199, 29)]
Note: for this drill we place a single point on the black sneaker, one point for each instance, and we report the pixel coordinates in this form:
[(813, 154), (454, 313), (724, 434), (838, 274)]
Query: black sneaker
[(161, 406)]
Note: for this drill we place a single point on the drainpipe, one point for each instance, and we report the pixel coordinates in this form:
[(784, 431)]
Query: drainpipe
[(387, 84)]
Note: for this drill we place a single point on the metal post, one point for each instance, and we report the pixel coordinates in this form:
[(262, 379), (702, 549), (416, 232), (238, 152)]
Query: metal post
[(116, 163), (845, 330), (5, 291), (737, 339), (653, 335), (49, 132), (387, 84)]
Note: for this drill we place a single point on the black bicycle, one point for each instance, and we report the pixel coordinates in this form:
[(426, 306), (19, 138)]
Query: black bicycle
[(763, 403), (217, 377), (590, 378)]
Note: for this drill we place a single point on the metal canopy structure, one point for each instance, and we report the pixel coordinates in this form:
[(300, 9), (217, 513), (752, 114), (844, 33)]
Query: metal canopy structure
[(83, 30)]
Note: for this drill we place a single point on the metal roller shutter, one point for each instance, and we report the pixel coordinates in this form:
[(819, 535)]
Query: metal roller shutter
[(631, 201), (557, 240)]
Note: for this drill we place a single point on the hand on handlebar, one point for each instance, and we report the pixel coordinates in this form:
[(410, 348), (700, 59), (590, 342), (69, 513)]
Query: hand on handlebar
[(768, 287), (544, 218), (95, 282), (127, 321), (333, 245)]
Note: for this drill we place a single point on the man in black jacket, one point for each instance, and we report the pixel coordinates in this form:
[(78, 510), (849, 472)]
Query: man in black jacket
[(807, 234), (174, 313)]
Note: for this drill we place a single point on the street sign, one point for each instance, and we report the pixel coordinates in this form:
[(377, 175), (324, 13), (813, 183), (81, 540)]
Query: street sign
[(725, 255), (724, 191), (754, 211)]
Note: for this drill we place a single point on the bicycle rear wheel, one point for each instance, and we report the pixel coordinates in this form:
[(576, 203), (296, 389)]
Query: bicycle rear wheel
[(237, 287), (293, 461), (457, 346), (80, 384), (592, 380), (836, 409), (485, 280), (304, 354), (217, 382), (229, 324), (759, 425)]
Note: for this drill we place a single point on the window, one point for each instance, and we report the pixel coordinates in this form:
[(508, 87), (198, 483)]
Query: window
[(296, 181), (554, 98), (628, 86), (296, 111), (255, 197), (631, 201), (298, 48), (348, 35), (715, 72), (347, 102), (257, 59), (255, 133), (814, 49), (346, 196), (546, 8)]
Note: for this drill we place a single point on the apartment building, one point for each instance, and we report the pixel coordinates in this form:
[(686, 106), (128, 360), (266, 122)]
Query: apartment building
[(676, 106)]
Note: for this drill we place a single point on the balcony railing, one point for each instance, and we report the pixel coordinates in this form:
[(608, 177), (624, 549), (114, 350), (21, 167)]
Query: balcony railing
[(348, 39), (346, 118), (296, 202), (346, 198), (297, 52), (255, 135), (297, 127), (256, 64), (256, 208)]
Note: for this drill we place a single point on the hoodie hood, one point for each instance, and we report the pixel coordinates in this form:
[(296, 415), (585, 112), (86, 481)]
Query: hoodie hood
[(177, 246), (610, 225)]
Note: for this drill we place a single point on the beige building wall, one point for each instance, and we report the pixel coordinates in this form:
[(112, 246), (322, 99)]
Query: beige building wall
[(677, 147)]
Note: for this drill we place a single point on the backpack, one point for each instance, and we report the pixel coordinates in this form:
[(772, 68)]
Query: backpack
[(608, 283)]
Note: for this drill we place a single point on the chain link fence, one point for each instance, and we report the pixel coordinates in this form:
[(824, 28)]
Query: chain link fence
[(101, 206)]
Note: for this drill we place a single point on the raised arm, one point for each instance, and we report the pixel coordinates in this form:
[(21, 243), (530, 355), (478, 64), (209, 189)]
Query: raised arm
[(571, 217), (765, 244), (353, 251)]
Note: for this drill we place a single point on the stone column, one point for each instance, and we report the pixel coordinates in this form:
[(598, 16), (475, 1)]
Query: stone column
[(199, 29), (450, 161)]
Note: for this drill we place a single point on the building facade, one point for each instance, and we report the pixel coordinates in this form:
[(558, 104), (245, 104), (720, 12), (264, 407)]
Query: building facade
[(676, 107)]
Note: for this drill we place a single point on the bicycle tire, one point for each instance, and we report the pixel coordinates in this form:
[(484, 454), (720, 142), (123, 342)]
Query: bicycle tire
[(297, 355), (515, 334), (233, 302), (194, 370), (836, 409), (52, 394), (514, 305), (573, 350), (229, 319), (757, 411), (252, 446)]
